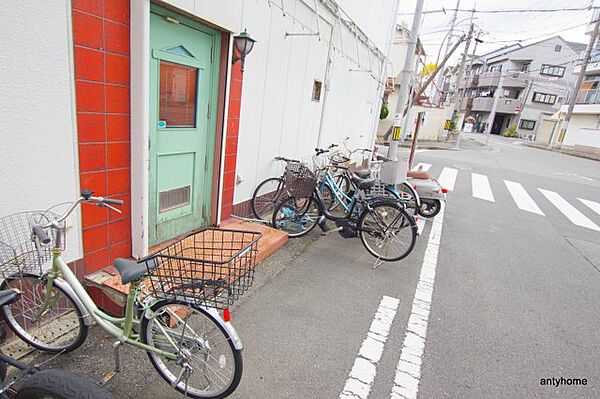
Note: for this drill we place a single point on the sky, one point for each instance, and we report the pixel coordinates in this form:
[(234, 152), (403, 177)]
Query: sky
[(498, 30)]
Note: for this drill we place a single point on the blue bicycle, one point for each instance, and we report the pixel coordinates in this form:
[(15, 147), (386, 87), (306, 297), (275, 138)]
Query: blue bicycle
[(386, 230)]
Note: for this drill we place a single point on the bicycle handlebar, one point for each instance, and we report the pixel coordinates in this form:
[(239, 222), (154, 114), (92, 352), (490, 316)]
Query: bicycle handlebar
[(41, 234), (288, 160)]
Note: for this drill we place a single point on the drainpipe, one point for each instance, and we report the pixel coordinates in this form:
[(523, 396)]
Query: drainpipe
[(326, 84)]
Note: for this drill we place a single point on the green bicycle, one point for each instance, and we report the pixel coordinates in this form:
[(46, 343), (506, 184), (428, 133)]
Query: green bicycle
[(172, 307)]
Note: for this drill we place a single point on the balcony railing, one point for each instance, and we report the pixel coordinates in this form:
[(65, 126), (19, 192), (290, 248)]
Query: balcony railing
[(590, 96)]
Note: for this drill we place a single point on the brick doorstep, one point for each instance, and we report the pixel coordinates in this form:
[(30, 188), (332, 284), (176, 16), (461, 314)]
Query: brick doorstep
[(114, 294)]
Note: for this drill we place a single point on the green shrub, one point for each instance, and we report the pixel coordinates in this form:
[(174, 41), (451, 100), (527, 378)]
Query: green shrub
[(511, 131), (384, 111)]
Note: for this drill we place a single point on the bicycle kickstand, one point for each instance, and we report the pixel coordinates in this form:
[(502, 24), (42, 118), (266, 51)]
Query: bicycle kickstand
[(117, 354)]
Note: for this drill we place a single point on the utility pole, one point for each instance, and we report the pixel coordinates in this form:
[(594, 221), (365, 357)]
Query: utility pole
[(497, 95), (525, 101), (470, 69), (440, 80), (461, 71), (584, 64), (407, 72)]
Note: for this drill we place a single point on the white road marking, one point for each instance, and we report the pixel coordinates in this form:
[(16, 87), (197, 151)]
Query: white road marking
[(522, 198), (420, 225), (572, 213), (594, 206), (422, 166), (408, 371), (362, 375), (481, 187), (448, 178)]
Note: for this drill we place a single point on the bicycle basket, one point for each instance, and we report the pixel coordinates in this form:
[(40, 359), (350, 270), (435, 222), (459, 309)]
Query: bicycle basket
[(20, 252), (300, 182), (211, 267)]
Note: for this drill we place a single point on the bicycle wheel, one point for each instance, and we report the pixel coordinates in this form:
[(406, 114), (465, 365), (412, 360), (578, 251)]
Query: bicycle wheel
[(408, 197), (297, 217), (430, 208), (266, 196), (59, 327), (208, 365), (61, 384), (387, 231)]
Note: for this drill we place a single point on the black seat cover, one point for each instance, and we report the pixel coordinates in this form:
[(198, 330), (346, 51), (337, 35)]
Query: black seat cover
[(363, 174), (130, 270), (9, 296), (363, 184)]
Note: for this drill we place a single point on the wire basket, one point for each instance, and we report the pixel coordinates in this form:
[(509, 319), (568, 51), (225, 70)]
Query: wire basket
[(211, 267), (20, 251), (378, 190), (300, 182)]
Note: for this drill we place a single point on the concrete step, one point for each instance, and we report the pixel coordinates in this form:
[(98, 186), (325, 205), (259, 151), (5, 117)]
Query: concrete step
[(105, 287)]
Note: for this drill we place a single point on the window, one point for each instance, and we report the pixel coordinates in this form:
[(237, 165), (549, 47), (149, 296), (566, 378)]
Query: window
[(496, 68), (544, 98), (316, 94), (525, 67), (558, 48), (527, 124), (552, 70), (178, 91)]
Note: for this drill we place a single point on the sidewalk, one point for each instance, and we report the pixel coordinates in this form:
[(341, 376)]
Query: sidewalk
[(568, 151), (466, 143)]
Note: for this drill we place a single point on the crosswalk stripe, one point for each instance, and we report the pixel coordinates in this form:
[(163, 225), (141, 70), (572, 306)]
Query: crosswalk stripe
[(572, 213), (594, 206), (521, 198), (447, 178), (423, 166), (481, 187)]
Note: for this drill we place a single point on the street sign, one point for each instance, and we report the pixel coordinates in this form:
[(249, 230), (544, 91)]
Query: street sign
[(447, 124), (396, 133)]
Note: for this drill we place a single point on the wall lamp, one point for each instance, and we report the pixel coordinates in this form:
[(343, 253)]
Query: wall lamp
[(243, 45)]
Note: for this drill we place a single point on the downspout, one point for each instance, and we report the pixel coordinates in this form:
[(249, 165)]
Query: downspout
[(326, 84)]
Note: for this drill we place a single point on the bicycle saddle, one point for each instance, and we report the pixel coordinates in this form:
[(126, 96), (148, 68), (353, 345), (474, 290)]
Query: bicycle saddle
[(419, 174), (362, 173), (9, 296), (363, 184), (130, 270)]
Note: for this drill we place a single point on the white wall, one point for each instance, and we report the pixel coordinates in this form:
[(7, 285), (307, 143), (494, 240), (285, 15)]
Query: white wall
[(38, 156), (278, 116), (583, 130)]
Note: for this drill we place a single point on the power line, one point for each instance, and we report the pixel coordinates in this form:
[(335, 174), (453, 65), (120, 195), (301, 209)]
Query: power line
[(508, 10)]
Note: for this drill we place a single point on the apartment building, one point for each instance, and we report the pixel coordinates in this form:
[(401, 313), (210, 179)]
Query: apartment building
[(530, 82), (583, 132)]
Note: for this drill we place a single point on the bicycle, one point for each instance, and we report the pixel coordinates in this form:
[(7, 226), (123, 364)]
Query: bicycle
[(378, 221), (51, 383), (172, 307), (268, 193)]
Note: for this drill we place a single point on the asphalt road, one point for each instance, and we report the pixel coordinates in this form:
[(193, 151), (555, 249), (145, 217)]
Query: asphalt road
[(515, 297)]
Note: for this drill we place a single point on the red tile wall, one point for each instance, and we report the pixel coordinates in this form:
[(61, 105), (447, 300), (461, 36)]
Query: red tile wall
[(101, 52), (231, 141)]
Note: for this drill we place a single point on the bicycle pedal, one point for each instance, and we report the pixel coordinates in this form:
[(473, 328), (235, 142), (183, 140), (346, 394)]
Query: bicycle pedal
[(326, 233), (107, 377)]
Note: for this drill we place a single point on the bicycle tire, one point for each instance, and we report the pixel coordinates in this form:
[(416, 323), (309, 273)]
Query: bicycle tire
[(258, 210), (160, 366), (301, 212), (432, 208), (61, 384), (412, 225), (24, 334)]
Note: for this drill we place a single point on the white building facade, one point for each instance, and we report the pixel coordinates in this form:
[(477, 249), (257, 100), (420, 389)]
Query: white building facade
[(137, 99)]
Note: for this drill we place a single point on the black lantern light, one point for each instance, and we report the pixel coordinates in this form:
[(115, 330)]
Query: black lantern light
[(243, 45)]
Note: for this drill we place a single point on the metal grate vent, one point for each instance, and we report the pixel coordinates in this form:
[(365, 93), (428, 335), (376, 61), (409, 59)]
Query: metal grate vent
[(174, 198)]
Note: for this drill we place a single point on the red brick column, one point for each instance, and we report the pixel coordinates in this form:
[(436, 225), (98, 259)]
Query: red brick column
[(101, 53), (231, 141)]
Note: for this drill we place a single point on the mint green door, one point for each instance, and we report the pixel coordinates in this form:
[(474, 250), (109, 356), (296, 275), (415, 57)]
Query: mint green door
[(184, 66)]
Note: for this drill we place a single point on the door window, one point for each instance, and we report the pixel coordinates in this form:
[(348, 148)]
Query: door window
[(178, 95)]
